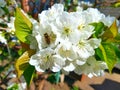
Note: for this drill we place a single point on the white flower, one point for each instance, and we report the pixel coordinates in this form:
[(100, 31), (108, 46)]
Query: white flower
[(85, 48), (43, 35), (91, 67), (82, 25), (59, 62), (108, 20), (42, 60), (66, 51), (93, 15), (69, 68), (94, 42), (49, 15), (47, 59), (65, 26), (64, 41), (86, 31), (48, 37)]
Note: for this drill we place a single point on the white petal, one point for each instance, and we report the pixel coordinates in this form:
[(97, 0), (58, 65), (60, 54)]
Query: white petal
[(86, 52), (80, 62), (69, 68), (34, 60), (39, 69), (94, 42), (56, 68)]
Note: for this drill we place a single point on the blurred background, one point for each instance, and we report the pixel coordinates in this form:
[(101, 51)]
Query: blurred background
[(36, 6), (10, 46)]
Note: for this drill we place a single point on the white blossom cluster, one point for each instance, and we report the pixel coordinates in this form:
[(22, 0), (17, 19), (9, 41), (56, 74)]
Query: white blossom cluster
[(63, 41)]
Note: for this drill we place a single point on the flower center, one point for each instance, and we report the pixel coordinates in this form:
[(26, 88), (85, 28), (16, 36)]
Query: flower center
[(67, 30), (46, 58), (81, 44), (80, 26)]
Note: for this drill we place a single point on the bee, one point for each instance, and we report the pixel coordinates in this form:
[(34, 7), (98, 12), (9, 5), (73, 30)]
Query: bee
[(47, 38)]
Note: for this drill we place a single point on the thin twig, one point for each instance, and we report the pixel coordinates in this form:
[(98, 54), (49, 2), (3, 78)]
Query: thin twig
[(1, 28)]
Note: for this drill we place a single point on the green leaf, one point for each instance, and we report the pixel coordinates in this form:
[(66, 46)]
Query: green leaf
[(114, 40), (22, 63), (109, 55), (28, 74), (118, 36), (99, 27), (98, 54), (23, 26), (111, 32), (117, 51)]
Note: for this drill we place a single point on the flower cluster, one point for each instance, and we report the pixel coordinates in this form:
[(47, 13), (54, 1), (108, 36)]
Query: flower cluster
[(63, 41)]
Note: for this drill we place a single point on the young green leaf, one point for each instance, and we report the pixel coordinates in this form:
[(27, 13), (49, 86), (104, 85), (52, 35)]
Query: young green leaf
[(109, 55), (115, 40), (23, 26), (22, 63), (111, 32)]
